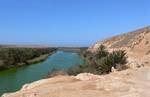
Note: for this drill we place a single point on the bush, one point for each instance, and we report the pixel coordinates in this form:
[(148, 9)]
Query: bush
[(82, 68), (56, 72), (101, 52), (118, 57), (75, 70), (100, 62)]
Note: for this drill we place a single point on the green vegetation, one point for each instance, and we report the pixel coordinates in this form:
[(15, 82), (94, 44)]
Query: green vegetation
[(10, 57), (100, 62)]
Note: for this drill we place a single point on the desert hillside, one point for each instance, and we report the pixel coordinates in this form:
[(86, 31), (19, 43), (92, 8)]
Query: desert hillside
[(132, 82), (136, 44)]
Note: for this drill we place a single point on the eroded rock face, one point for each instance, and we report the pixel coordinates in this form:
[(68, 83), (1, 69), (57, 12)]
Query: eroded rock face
[(127, 83)]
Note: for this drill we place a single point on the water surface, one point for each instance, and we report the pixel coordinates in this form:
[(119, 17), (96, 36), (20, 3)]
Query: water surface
[(11, 80)]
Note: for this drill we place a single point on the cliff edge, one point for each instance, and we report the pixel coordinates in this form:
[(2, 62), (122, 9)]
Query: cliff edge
[(127, 83)]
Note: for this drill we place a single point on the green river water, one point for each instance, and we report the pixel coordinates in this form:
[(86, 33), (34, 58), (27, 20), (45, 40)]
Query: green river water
[(12, 79)]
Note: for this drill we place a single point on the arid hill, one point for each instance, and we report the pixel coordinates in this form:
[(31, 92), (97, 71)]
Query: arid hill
[(136, 44)]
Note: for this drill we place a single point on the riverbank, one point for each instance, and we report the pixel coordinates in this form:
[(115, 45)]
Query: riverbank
[(15, 57), (39, 59), (13, 79)]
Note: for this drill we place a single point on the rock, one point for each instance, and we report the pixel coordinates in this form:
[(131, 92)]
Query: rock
[(113, 69), (87, 76)]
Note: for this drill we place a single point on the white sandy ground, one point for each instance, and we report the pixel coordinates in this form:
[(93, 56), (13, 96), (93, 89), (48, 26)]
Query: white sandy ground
[(127, 83)]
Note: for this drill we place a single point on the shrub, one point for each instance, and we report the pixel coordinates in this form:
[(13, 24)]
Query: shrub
[(82, 68), (56, 72), (105, 65), (114, 59), (100, 62), (118, 57), (75, 70), (101, 52)]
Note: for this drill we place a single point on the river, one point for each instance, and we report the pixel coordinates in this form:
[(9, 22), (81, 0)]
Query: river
[(12, 79)]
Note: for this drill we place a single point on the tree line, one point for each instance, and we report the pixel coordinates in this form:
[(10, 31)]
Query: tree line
[(10, 57)]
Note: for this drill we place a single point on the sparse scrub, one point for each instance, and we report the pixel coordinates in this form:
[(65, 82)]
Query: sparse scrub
[(101, 52), (56, 72)]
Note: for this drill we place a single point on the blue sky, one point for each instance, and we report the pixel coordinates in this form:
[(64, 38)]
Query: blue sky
[(69, 22)]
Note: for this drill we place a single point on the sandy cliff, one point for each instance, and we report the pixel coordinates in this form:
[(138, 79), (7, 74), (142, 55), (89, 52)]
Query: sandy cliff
[(133, 82)]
